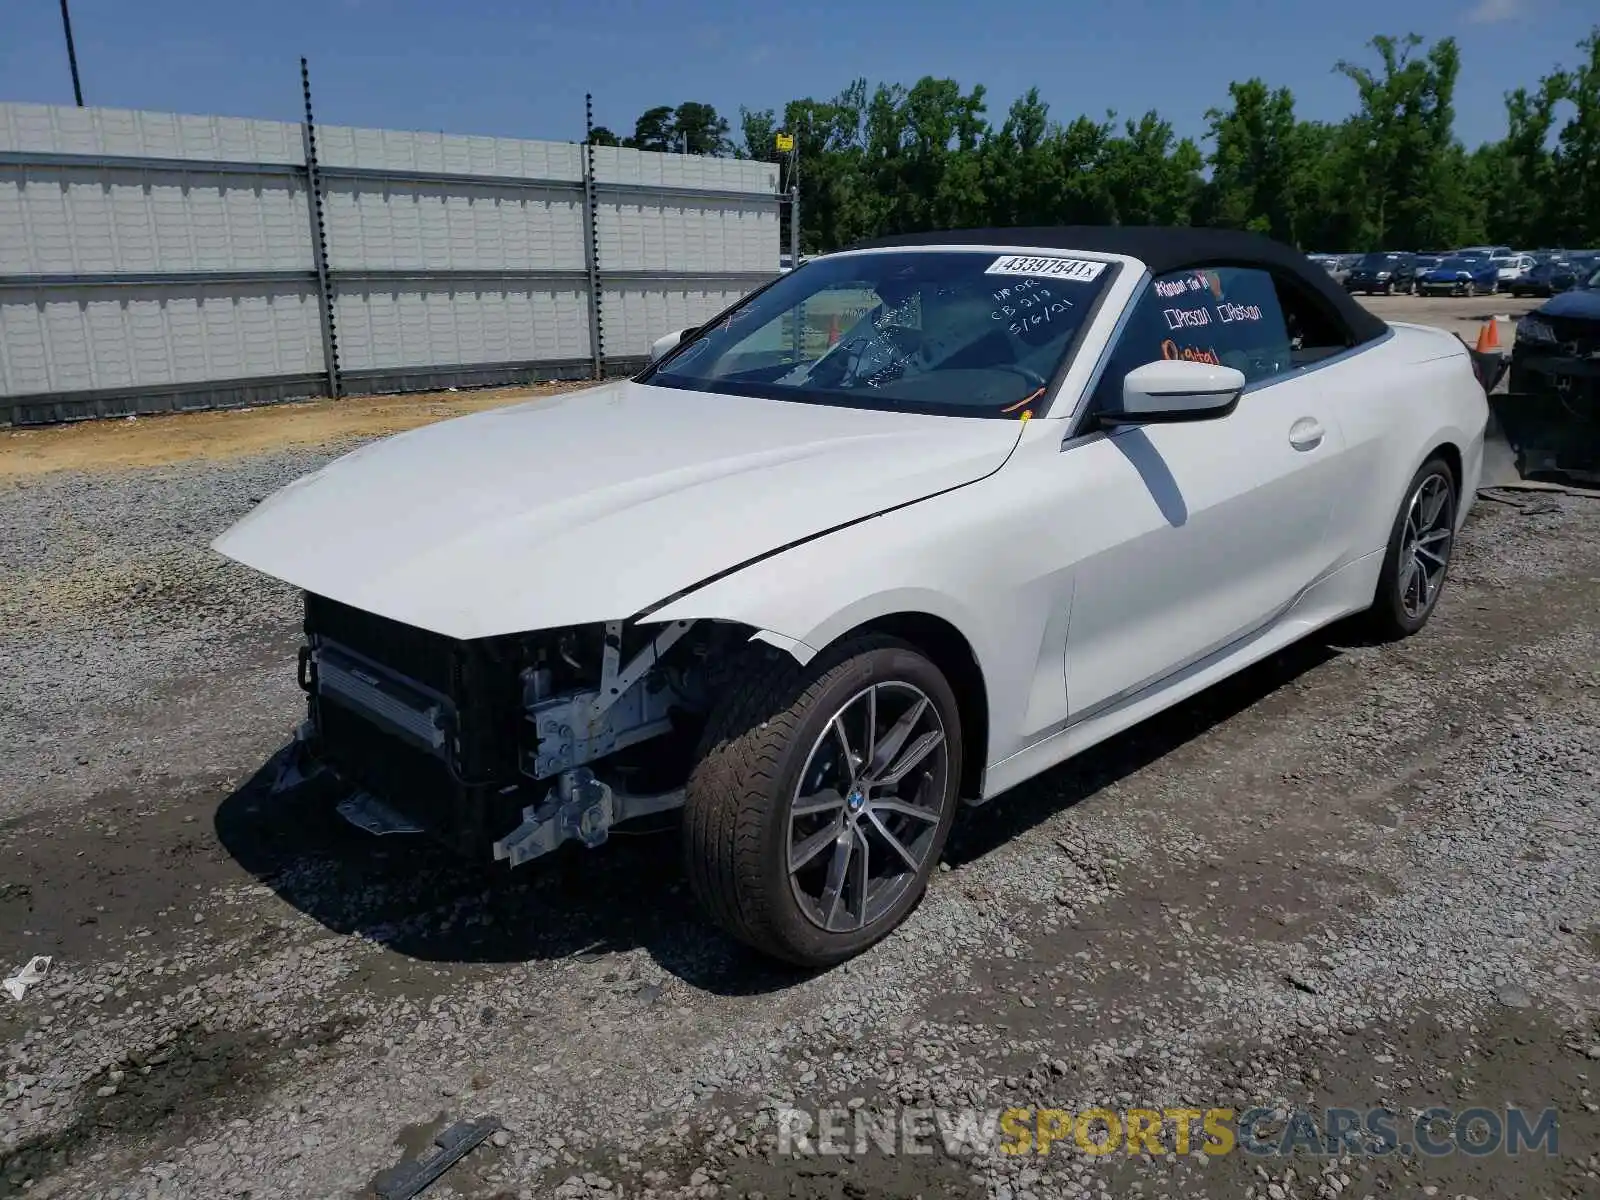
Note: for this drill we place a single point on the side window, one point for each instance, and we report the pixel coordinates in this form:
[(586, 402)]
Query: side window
[(1234, 316)]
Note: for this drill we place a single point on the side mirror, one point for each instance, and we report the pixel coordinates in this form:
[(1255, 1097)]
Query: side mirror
[(668, 342), (1177, 390)]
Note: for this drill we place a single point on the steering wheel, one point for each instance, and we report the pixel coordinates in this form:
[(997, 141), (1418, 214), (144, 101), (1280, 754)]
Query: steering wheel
[(906, 343), (903, 346)]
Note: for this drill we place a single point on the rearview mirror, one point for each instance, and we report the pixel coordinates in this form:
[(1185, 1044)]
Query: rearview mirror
[(668, 342), (1177, 390)]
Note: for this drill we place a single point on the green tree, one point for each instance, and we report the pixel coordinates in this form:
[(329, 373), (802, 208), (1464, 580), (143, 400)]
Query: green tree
[(1513, 177), (654, 130), (601, 136), (888, 158), (758, 131), (697, 129), (1153, 177), (1404, 135), (1576, 169), (1258, 164)]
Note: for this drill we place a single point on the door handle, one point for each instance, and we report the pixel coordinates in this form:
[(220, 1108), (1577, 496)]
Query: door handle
[(1306, 434)]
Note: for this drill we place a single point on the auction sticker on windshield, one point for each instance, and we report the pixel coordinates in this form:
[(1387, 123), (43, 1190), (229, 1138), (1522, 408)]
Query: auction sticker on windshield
[(1079, 269)]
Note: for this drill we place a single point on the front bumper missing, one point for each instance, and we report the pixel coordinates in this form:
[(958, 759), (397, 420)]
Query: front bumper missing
[(580, 807), (416, 759), (366, 812), (296, 766), (1550, 415)]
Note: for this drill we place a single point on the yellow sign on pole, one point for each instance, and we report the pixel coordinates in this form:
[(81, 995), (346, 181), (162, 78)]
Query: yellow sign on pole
[(786, 143)]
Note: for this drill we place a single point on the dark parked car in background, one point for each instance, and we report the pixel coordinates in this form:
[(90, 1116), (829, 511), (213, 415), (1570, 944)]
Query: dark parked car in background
[(1554, 393), (1554, 276), (1460, 277), (1386, 271)]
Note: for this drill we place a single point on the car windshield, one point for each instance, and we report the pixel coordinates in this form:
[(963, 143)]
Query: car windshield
[(963, 333), (1459, 264), (1378, 260)]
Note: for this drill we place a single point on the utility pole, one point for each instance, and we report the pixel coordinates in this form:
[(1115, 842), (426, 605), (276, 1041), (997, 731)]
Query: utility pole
[(788, 144), (794, 202), (72, 55)]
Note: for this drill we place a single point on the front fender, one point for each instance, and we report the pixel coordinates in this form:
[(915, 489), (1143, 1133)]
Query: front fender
[(963, 557), (804, 628), (804, 620)]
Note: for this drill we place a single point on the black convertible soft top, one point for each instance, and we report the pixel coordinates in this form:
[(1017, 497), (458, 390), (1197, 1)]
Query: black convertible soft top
[(1164, 249)]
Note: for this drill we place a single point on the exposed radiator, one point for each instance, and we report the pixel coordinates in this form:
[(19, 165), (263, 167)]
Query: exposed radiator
[(406, 711)]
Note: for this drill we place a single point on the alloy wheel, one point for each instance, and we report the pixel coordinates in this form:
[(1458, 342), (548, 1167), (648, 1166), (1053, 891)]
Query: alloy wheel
[(1425, 545), (865, 814)]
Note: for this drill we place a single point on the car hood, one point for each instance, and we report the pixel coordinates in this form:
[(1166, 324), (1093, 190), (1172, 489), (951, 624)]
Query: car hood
[(1581, 302), (1445, 275), (594, 505)]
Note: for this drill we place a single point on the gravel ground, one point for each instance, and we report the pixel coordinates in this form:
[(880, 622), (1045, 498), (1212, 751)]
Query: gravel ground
[(1351, 876)]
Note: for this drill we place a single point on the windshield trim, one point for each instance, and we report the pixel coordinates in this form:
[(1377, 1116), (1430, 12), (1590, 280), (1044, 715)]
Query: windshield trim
[(1069, 352), (690, 332)]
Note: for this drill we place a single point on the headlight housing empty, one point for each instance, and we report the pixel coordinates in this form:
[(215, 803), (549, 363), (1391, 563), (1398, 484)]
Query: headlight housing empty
[(1532, 329)]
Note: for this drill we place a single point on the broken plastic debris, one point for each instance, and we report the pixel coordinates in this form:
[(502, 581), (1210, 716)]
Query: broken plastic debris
[(27, 976), (414, 1176)]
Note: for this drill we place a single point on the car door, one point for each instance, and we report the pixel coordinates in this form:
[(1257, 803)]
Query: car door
[(1201, 532)]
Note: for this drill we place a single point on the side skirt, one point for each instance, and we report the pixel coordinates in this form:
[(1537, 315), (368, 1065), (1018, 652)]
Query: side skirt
[(1348, 590)]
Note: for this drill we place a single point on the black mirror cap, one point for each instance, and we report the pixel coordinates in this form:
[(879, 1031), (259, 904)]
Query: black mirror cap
[(1172, 416)]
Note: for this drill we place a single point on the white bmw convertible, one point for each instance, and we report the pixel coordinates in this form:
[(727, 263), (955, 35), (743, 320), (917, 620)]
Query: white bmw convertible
[(911, 524)]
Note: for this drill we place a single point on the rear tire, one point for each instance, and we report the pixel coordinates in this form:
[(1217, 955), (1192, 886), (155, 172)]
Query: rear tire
[(1417, 558), (797, 840)]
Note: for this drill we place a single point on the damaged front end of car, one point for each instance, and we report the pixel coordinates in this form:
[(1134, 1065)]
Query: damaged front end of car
[(1550, 412), (510, 745)]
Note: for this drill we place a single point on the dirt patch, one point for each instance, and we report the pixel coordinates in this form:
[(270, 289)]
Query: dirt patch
[(198, 1078), (236, 433), (863, 1177), (128, 867), (1515, 1060)]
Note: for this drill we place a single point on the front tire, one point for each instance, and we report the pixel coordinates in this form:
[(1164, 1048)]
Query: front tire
[(1417, 558), (822, 798)]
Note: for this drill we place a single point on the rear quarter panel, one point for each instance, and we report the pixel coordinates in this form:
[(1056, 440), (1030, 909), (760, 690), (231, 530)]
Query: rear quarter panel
[(1420, 394)]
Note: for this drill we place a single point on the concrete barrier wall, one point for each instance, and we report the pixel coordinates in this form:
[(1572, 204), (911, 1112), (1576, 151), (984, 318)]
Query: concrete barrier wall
[(151, 261)]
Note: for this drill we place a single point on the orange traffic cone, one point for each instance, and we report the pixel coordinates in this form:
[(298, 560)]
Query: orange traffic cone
[(833, 330), (1489, 336)]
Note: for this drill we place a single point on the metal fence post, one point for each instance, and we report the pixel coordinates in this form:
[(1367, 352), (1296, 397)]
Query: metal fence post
[(591, 248), (794, 239), (794, 205), (319, 240)]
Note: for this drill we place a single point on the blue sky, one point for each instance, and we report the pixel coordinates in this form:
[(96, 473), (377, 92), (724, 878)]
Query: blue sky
[(521, 69)]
